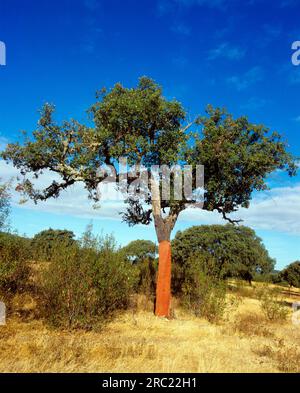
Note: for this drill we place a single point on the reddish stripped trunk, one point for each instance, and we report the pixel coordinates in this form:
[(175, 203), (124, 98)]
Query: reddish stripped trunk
[(163, 286), (163, 228)]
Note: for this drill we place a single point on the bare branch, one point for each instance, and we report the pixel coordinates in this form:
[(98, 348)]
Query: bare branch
[(232, 221)]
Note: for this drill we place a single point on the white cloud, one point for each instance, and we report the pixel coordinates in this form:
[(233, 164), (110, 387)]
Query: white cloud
[(242, 82), (3, 142), (227, 51), (180, 61), (254, 103), (74, 201), (277, 210), (272, 32)]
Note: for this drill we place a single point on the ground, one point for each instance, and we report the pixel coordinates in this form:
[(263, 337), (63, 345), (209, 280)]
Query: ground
[(137, 341)]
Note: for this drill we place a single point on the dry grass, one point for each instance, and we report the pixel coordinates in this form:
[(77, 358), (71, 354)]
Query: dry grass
[(252, 325), (285, 357), (139, 342)]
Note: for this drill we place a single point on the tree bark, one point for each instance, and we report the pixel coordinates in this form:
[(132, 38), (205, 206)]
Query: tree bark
[(163, 228), (163, 285)]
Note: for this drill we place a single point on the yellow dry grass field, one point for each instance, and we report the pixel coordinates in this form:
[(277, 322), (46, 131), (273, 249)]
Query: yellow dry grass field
[(137, 341)]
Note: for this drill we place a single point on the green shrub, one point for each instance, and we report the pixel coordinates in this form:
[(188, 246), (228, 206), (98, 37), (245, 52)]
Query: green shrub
[(83, 286), (14, 271), (114, 281), (146, 283), (177, 278), (204, 262), (202, 293), (272, 304)]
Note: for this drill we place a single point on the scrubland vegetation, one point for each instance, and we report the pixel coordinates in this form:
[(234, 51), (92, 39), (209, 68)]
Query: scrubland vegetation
[(87, 305)]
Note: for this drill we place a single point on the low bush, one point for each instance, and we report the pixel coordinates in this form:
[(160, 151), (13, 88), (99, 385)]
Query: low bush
[(272, 304), (84, 286), (14, 271), (252, 324), (286, 357), (146, 283), (203, 294), (200, 262)]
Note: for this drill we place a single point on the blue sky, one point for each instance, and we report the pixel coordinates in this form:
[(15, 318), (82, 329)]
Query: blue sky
[(226, 53)]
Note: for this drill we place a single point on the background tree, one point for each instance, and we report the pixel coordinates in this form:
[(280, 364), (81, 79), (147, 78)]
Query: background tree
[(230, 251), (89, 240), (146, 128), (291, 274), (142, 254), (139, 250), (45, 242)]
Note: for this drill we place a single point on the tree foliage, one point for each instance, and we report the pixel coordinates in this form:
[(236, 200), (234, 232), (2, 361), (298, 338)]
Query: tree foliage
[(227, 250), (146, 128), (237, 156), (291, 274), (139, 250), (45, 242)]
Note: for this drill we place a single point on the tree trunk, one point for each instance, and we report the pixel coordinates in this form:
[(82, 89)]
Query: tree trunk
[(163, 228), (163, 286)]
